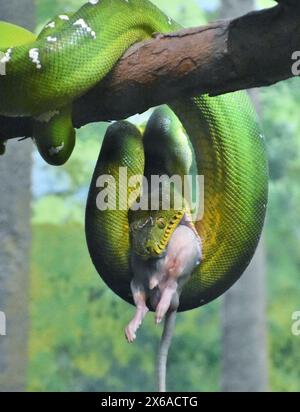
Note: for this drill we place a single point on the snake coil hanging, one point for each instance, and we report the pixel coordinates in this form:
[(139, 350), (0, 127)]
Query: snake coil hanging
[(45, 74)]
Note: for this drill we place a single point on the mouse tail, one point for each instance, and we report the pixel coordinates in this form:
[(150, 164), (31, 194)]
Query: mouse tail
[(165, 343)]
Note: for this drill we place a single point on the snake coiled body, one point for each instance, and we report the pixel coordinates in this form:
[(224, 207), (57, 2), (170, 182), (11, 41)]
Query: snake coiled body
[(72, 54)]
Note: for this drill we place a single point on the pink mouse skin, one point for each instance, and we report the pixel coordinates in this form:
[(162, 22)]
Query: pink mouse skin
[(160, 280)]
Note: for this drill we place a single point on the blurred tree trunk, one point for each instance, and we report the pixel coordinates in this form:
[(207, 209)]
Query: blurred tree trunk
[(244, 347), (235, 8), (15, 173)]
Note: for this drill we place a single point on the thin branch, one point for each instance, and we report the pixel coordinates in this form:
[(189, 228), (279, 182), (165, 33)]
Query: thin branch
[(251, 51)]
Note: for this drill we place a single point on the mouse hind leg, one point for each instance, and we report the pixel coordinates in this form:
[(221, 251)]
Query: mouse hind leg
[(139, 297)]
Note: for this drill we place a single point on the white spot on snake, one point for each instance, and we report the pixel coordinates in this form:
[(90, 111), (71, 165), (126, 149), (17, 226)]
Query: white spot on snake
[(169, 20), (166, 123), (84, 25), (94, 2), (7, 57), (50, 25), (80, 22), (46, 117), (57, 149), (34, 56), (51, 39), (64, 17)]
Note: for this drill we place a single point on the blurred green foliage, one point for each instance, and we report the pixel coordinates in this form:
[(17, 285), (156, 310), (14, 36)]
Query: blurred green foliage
[(76, 338)]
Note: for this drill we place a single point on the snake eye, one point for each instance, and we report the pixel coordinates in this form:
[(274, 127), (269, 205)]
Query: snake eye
[(161, 223)]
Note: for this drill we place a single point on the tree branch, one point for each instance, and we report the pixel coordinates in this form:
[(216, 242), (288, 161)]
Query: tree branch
[(251, 51)]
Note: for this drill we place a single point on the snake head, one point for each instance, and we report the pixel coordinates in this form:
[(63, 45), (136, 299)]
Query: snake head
[(150, 232)]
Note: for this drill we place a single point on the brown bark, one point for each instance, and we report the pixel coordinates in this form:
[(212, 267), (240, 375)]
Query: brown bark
[(251, 51)]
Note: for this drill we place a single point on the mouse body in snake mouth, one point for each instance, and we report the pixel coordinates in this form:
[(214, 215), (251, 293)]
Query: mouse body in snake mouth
[(160, 280)]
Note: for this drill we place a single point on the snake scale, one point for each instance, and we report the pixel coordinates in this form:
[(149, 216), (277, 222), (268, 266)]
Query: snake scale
[(73, 53)]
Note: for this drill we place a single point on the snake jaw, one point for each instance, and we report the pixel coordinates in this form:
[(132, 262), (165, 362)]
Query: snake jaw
[(151, 235)]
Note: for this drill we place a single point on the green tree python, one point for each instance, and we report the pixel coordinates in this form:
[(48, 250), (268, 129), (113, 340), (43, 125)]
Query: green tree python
[(45, 74)]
